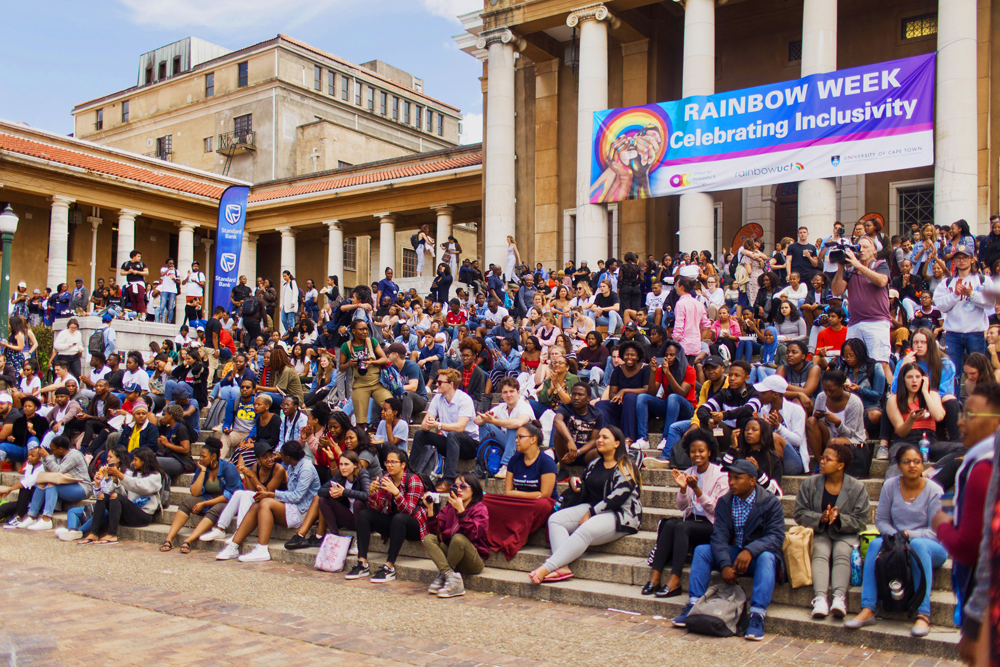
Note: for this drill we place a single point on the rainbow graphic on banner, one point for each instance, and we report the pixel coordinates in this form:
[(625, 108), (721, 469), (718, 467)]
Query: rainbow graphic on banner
[(631, 122)]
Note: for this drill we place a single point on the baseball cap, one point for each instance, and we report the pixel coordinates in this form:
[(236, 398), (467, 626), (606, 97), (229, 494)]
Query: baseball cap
[(22, 284), (62, 391), (179, 393), (714, 360), (398, 348), (79, 280), (963, 249), (6, 398), (261, 448), (774, 383), (632, 326), (107, 318), (132, 388), (743, 467)]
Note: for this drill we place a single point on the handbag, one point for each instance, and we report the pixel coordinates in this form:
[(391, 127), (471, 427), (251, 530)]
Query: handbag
[(333, 552), (797, 550)]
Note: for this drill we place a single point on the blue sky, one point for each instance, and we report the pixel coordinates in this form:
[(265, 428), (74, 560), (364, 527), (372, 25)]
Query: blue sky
[(57, 53)]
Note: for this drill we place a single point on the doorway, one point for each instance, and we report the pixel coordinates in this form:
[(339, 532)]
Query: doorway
[(786, 213)]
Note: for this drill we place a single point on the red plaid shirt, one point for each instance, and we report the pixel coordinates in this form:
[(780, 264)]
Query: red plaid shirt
[(408, 501)]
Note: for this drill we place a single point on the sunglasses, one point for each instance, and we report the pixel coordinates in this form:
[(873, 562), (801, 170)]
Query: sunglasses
[(461, 487)]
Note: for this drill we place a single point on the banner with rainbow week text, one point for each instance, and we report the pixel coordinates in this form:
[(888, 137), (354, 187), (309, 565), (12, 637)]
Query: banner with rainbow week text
[(866, 119)]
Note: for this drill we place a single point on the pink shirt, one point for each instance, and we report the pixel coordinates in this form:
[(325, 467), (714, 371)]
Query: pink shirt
[(734, 327), (690, 319)]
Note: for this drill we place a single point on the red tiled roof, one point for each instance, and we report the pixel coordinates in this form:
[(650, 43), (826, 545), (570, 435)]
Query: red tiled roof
[(363, 179), (106, 166)]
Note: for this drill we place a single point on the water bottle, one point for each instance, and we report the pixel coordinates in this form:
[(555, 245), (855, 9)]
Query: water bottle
[(925, 448), (856, 566)]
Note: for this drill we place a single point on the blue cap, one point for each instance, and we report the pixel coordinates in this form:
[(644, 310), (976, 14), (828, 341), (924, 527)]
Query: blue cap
[(107, 317)]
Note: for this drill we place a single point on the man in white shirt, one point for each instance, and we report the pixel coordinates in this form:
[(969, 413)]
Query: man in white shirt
[(448, 427), (501, 423), (168, 291), (194, 291), (787, 419), (494, 314)]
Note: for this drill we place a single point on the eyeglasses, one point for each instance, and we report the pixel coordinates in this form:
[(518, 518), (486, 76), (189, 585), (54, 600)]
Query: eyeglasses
[(461, 487), (518, 436), (390, 462), (827, 459), (911, 462), (965, 414)]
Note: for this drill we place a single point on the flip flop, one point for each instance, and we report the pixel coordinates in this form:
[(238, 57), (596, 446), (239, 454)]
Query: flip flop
[(535, 579), (83, 543), (557, 576), (104, 543)]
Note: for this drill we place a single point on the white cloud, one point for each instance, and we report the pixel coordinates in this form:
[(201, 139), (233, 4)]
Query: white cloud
[(472, 128), (225, 14), (450, 9)]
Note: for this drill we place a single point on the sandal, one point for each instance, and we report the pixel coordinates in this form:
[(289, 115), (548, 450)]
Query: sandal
[(106, 541), (557, 576), (185, 547), (166, 546), (535, 578), (83, 543)]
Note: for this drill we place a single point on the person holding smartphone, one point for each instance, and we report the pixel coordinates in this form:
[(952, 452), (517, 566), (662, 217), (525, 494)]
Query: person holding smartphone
[(456, 535), (913, 410)]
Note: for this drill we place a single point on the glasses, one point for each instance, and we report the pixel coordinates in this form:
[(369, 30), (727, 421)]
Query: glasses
[(518, 436), (827, 459), (911, 462), (461, 487), (966, 415), (390, 462)]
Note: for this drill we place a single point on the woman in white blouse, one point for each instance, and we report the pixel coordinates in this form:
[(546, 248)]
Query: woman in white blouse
[(68, 346)]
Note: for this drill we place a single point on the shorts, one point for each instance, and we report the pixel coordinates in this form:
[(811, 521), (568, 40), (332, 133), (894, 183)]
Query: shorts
[(875, 336), (293, 518)]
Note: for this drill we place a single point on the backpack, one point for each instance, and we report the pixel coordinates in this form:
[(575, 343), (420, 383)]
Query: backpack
[(720, 612), (164, 491), (95, 345), (488, 457), (733, 263), (392, 379), (894, 570), (415, 240), (249, 307)]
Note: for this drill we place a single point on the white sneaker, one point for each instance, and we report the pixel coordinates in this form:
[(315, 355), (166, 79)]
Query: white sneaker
[(259, 554), (882, 454), (10, 525), (70, 535), (26, 522), (41, 524), (839, 606), (821, 608), (229, 552), (353, 551), (641, 443), (214, 534), (59, 531), (502, 473)]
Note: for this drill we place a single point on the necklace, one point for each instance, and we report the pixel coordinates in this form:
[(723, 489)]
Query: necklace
[(903, 491)]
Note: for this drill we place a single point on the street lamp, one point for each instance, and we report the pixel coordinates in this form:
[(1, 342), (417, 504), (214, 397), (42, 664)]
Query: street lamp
[(8, 225)]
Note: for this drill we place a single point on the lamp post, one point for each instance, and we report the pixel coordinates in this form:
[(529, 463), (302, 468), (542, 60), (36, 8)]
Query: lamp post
[(8, 225)]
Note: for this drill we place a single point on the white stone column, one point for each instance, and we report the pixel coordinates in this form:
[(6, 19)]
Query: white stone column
[(95, 222), (248, 259), (386, 244), (956, 163), (58, 235), (498, 194), (818, 196), (206, 268), (185, 248), (696, 214), (335, 253), (445, 215), (591, 219), (126, 238), (287, 264)]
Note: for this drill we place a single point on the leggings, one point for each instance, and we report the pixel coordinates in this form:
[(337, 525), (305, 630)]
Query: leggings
[(122, 511), (675, 539), (238, 506), (825, 550), (569, 539), (461, 555), (337, 515), (397, 527)]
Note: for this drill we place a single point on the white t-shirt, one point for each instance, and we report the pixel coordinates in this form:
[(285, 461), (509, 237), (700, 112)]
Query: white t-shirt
[(139, 377), (183, 341), (192, 288), (655, 302), (96, 375), (448, 413), (31, 387), (167, 280), (522, 409)]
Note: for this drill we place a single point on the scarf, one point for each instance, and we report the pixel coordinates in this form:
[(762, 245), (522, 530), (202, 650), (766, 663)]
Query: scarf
[(982, 451), (133, 441), (768, 351)]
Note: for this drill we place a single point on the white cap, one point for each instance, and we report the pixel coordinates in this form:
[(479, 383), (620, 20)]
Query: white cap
[(774, 383)]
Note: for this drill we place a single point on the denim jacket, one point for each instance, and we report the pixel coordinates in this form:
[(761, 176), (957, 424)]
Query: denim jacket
[(303, 485), (228, 476)]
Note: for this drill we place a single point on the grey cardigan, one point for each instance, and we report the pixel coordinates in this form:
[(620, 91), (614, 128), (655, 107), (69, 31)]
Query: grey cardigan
[(73, 464), (852, 504)]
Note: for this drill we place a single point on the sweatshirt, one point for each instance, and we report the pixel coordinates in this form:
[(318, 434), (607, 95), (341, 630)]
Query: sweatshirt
[(732, 403), (143, 490), (895, 515), (72, 464), (473, 523)]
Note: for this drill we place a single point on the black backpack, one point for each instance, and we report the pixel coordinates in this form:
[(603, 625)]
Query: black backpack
[(96, 343), (249, 307), (894, 567), (415, 240)]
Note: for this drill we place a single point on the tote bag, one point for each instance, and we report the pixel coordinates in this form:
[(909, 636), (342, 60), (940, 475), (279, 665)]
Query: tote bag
[(333, 553), (797, 550)]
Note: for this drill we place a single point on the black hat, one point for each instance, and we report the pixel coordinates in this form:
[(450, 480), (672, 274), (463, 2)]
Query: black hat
[(743, 467)]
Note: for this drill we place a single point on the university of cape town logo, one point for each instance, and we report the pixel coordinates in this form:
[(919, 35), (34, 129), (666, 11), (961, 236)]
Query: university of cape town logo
[(233, 213), (835, 160), (228, 260)]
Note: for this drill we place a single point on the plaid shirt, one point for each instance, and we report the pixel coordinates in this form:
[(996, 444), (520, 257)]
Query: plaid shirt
[(741, 510), (408, 501)]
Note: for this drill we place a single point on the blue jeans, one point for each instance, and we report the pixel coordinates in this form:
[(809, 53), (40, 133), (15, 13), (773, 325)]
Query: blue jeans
[(622, 415), (612, 321), (758, 374), (746, 349), (674, 435), (793, 461), (75, 515), (168, 388), (288, 320), (671, 408), (932, 556), (165, 313), (70, 493), (762, 569), (504, 435), (958, 346), (15, 453)]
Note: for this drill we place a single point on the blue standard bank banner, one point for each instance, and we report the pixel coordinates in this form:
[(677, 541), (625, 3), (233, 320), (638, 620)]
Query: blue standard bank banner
[(878, 117), (232, 219)]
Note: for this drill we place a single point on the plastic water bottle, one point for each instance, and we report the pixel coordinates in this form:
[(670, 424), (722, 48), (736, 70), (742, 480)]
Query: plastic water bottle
[(856, 566), (925, 448)]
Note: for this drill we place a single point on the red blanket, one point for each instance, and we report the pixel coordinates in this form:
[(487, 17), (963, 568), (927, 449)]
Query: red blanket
[(512, 520)]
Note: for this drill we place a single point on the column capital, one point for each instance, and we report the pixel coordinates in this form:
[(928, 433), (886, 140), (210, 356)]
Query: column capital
[(502, 35), (128, 213), (595, 12), (250, 238), (60, 200), (94, 222), (207, 242), (386, 217), (286, 232), (444, 209), (189, 226), (334, 224)]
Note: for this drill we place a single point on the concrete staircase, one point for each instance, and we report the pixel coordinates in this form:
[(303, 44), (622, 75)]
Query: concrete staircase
[(610, 576)]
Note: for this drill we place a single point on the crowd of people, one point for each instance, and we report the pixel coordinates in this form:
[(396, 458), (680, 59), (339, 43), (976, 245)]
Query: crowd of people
[(814, 359)]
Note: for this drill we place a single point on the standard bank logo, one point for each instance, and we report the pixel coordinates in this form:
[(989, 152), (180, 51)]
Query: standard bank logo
[(228, 259), (233, 212)]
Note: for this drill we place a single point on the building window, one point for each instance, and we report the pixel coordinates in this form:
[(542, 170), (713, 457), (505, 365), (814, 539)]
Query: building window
[(371, 100), (331, 83), (440, 125), (243, 125), (244, 74), (99, 123), (341, 164), (419, 116), (161, 73), (345, 89), (795, 51), (430, 120), (406, 112), (149, 74), (409, 263), (208, 144), (125, 111), (395, 108), (351, 253), (177, 66), (357, 92), (164, 146), (381, 102), (920, 26), (210, 84), (916, 205), (317, 77)]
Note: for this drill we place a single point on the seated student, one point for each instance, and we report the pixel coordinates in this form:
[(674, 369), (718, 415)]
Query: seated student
[(795, 292), (914, 412), (787, 420), (472, 377), (284, 508), (627, 382), (503, 421), (430, 357), (575, 429), (715, 380), (456, 536), (865, 379), (62, 413), (838, 419), (448, 427), (677, 378), (801, 374), (357, 440), (830, 340), (239, 418), (26, 487), (192, 413), (415, 398), (215, 482), (747, 535), (29, 425), (756, 443), (337, 504), (265, 474), (729, 404), (393, 431), (291, 422), (394, 511), (174, 442), (835, 505), (95, 422), (927, 354), (698, 490), (768, 348), (266, 428), (506, 361), (62, 458), (908, 505), (135, 500), (140, 433), (609, 508), (530, 474), (558, 382)]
